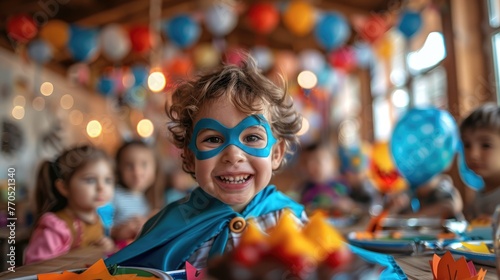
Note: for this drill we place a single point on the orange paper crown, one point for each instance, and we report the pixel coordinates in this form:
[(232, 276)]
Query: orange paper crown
[(446, 268)]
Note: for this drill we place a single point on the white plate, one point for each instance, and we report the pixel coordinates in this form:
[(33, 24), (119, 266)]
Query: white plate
[(156, 272), (476, 257), (408, 242)]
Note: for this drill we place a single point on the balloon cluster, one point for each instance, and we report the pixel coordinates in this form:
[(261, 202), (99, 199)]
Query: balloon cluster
[(331, 30)]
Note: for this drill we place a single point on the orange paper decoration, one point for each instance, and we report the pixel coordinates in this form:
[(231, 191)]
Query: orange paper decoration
[(446, 268)]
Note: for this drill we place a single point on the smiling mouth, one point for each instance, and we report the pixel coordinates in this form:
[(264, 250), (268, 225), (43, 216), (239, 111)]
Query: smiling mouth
[(234, 179)]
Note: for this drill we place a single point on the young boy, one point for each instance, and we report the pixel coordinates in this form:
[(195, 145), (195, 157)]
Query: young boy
[(323, 188), (480, 133), (234, 127)]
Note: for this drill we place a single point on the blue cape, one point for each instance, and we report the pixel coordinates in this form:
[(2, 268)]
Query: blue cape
[(170, 237)]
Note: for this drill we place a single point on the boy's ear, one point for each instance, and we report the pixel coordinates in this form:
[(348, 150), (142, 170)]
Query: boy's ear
[(61, 187), (278, 154)]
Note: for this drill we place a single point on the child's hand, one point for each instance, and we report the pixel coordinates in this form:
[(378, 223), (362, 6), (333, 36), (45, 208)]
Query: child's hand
[(107, 244)]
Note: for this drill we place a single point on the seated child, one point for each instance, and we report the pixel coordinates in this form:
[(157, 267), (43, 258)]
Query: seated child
[(234, 127), (480, 133), (136, 175), (322, 187), (354, 167), (67, 194), (179, 185), (438, 197)]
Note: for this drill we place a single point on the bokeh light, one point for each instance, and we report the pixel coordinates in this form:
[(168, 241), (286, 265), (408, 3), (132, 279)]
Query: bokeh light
[(156, 81), (307, 79), (18, 112), (67, 101), (94, 128), (47, 88), (145, 128)]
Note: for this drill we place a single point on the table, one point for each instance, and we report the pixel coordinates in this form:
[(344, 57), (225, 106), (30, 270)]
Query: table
[(415, 267)]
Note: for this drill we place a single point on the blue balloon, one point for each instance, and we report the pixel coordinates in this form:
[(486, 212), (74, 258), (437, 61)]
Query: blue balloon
[(182, 30), (40, 51), (83, 43), (141, 73), (410, 23), (332, 31), (423, 144), (106, 86)]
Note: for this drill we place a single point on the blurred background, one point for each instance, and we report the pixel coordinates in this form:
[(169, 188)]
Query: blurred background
[(79, 71)]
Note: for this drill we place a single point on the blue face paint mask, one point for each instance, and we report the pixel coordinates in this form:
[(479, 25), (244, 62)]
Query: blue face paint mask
[(231, 136)]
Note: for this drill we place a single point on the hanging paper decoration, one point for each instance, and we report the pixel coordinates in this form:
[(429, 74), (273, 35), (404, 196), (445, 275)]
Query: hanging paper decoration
[(234, 56), (206, 56), (382, 170), (56, 33), (410, 23), (106, 86), (343, 58), (312, 60), (384, 48), (115, 42), (182, 30), (263, 17), (286, 63), (142, 39), (332, 31), (180, 66), (263, 56), (140, 73), (83, 43), (39, 51), (371, 28), (364, 55), (21, 28), (79, 74), (220, 19), (299, 17)]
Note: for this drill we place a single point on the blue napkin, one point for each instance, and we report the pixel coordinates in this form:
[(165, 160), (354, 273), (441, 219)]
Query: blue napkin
[(392, 269)]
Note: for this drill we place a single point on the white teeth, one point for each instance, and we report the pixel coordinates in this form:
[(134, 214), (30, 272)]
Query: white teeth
[(234, 179)]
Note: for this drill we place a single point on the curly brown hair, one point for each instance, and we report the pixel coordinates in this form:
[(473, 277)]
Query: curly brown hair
[(247, 89)]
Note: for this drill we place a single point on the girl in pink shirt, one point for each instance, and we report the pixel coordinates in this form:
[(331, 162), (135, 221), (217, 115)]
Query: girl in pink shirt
[(67, 194)]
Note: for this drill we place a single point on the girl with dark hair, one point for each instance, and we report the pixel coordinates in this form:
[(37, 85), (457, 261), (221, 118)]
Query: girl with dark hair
[(67, 195)]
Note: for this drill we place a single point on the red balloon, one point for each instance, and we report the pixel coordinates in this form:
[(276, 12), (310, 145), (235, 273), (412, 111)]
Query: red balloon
[(21, 28), (263, 17), (141, 38), (343, 58)]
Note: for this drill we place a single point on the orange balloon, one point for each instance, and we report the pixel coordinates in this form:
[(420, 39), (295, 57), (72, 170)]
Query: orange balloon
[(299, 17), (56, 33)]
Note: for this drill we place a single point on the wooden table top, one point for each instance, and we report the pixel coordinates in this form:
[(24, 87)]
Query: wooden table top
[(414, 267)]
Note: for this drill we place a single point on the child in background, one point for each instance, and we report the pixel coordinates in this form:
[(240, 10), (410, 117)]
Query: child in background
[(354, 164), (179, 184), (480, 133), (234, 127), (323, 188), (438, 196), (136, 175), (67, 194)]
